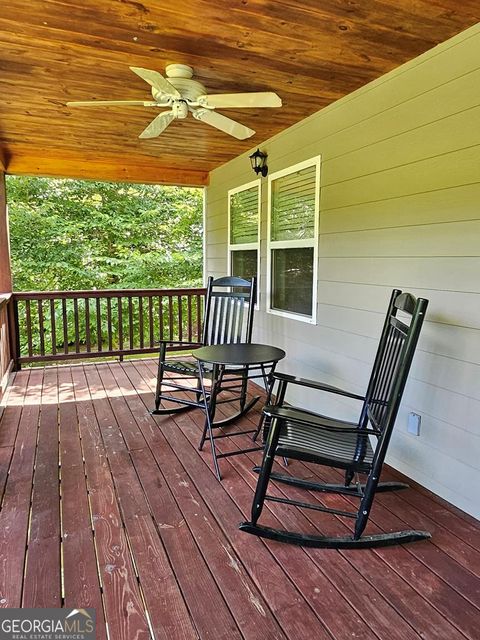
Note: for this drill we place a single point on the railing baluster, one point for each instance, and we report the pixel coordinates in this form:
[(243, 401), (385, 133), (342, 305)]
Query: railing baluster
[(160, 318), (77, 325), (40, 327), (180, 318), (28, 318), (109, 324), (150, 321), (120, 325), (199, 318), (53, 328), (189, 317), (170, 317), (88, 343), (99, 324), (140, 321), (65, 325), (130, 320)]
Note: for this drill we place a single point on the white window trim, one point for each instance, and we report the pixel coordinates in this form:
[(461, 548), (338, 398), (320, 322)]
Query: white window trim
[(246, 246), (286, 244)]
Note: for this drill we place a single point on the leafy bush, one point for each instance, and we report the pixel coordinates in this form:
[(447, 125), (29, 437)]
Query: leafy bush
[(81, 235), (77, 234)]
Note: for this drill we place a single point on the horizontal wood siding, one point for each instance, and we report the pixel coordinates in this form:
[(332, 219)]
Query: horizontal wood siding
[(399, 207)]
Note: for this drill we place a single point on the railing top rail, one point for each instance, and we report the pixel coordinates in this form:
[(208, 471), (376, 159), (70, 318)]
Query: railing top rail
[(4, 298), (105, 293)]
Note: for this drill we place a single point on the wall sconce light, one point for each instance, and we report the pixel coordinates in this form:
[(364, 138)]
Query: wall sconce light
[(259, 162)]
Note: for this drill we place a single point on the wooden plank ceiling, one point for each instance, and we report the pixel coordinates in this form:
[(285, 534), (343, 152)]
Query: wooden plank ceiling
[(311, 52)]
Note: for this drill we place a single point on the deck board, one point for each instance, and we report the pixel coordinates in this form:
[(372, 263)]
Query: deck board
[(81, 586), (167, 609), (42, 573), (122, 600), (105, 506), (15, 513)]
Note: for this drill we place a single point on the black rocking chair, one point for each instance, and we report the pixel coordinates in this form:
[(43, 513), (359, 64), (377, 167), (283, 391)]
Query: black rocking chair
[(228, 318), (295, 433)]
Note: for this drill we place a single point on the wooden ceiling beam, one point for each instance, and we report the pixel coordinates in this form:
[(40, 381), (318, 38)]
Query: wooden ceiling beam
[(116, 169)]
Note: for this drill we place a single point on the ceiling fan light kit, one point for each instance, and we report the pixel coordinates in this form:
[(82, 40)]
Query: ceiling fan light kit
[(182, 95)]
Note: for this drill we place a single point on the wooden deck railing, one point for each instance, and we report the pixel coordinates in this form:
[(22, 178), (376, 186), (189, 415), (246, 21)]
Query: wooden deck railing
[(65, 325), (6, 360)]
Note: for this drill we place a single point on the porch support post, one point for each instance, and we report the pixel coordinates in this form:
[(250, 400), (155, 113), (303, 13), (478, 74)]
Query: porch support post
[(8, 328), (5, 270)]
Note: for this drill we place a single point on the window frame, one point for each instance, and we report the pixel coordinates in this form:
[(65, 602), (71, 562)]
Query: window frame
[(245, 246), (294, 244)]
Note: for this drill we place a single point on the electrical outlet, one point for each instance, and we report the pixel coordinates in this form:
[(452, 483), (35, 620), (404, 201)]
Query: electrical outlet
[(414, 421)]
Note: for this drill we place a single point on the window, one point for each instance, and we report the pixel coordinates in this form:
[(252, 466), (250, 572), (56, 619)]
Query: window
[(244, 230), (293, 213)]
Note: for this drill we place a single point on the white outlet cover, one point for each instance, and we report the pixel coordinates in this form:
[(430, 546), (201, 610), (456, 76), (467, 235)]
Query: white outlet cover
[(414, 421)]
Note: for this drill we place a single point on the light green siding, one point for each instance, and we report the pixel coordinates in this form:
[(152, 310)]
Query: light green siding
[(399, 207)]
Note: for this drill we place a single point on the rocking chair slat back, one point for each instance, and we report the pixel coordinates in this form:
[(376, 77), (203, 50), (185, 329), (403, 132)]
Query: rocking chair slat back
[(391, 356), (228, 318), (229, 314)]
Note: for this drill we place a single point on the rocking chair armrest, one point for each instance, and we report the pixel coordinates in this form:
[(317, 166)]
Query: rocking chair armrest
[(312, 384), (187, 343), (288, 413)]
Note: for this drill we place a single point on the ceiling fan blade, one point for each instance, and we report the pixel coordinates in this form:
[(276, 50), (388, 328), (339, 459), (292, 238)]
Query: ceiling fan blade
[(113, 103), (159, 124), (157, 81), (242, 100), (223, 123)]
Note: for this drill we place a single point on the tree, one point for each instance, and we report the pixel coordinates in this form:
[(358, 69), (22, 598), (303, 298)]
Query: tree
[(74, 234)]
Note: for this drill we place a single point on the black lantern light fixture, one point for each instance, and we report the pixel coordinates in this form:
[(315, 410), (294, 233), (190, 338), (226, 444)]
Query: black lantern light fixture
[(259, 162)]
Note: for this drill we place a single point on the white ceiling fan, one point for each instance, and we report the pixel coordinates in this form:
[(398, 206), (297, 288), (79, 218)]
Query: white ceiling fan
[(182, 96)]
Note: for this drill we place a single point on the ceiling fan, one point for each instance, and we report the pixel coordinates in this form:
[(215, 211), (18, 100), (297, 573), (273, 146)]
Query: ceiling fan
[(182, 96)]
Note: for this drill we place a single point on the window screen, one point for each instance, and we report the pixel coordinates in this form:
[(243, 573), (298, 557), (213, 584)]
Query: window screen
[(244, 220), (292, 240)]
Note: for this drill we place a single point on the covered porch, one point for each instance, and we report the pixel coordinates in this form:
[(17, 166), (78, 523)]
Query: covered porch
[(106, 506)]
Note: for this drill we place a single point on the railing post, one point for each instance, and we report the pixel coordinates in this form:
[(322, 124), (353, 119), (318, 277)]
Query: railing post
[(14, 332)]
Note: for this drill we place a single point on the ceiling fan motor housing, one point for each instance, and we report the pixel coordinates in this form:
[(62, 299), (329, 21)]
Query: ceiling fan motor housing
[(178, 70), (190, 89)]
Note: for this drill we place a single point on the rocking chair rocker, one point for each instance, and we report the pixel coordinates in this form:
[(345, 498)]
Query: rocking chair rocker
[(228, 318), (296, 433)]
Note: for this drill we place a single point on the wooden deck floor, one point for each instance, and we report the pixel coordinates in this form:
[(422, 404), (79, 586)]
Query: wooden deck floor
[(104, 506)]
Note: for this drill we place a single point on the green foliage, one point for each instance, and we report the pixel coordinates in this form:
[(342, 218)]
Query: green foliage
[(73, 234)]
